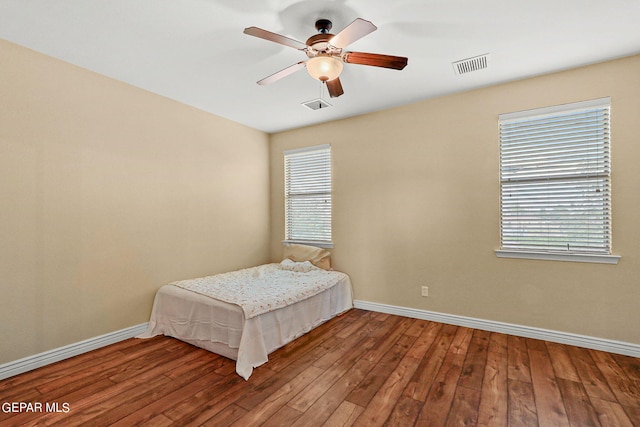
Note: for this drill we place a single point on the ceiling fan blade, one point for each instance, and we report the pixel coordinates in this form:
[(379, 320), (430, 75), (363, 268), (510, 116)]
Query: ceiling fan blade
[(335, 87), (282, 73), (352, 32), (273, 37), (375, 60)]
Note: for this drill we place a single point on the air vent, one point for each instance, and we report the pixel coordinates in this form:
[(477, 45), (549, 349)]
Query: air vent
[(316, 104), (470, 65)]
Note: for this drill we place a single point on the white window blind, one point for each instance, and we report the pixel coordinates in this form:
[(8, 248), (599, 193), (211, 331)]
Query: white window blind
[(307, 175), (555, 170)]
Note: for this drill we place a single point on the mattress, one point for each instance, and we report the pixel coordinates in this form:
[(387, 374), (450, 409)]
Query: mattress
[(239, 333)]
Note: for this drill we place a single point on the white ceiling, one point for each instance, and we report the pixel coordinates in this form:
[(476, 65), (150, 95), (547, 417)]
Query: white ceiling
[(195, 52)]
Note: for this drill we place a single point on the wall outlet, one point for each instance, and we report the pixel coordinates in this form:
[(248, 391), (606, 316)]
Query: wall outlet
[(425, 291)]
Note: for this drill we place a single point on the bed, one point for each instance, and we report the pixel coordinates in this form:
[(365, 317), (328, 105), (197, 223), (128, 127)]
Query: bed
[(246, 314)]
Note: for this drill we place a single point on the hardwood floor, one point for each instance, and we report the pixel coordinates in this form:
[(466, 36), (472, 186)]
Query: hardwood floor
[(361, 369)]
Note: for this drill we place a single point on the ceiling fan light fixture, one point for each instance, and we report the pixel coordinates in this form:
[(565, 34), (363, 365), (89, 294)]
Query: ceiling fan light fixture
[(326, 55), (324, 68)]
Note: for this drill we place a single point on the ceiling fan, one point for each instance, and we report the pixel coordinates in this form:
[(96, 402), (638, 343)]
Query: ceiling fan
[(325, 54)]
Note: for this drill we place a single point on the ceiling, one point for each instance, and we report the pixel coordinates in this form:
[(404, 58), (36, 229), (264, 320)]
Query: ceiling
[(195, 52)]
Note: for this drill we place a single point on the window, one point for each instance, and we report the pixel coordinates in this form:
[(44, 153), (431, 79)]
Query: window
[(307, 187), (555, 194)]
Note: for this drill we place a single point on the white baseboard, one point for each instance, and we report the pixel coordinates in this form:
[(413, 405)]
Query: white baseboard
[(36, 361), (618, 347)]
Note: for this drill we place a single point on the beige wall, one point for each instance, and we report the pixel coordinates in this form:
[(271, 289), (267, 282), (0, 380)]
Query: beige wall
[(416, 203), (107, 193)]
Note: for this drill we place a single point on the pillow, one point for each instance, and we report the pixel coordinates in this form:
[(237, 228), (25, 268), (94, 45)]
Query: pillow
[(298, 267), (319, 257)]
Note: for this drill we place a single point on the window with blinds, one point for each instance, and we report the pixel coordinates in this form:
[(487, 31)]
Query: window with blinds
[(307, 183), (555, 171)]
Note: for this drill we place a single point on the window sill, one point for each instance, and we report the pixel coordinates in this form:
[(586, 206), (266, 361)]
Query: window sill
[(326, 245), (554, 256)]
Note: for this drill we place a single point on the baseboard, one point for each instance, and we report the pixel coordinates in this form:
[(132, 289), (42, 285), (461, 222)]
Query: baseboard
[(36, 361), (618, 347)]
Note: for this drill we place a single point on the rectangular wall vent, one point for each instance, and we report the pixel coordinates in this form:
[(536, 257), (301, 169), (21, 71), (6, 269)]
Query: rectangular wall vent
[(469, 65), (316, 104)]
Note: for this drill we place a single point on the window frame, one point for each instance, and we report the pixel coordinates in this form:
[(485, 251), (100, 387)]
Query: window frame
[(540, 117), (321, 189)]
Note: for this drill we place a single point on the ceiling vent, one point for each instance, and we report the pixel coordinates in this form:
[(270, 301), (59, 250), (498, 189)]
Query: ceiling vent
[(316, 104), (469, 65)]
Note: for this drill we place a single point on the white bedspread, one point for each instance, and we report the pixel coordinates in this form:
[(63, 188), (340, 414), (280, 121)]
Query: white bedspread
[(224, 328), (259, 290)]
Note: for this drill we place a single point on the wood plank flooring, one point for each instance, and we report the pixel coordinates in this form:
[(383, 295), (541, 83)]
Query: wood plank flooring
[(361, 369)]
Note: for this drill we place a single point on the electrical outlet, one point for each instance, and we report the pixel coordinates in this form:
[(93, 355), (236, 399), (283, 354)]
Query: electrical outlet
[(425, 291)]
